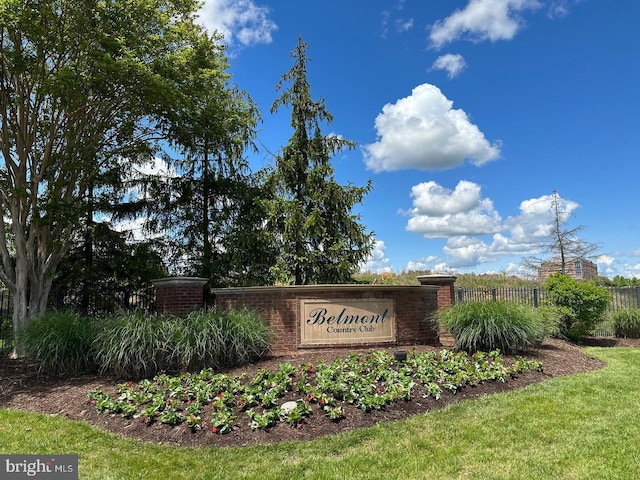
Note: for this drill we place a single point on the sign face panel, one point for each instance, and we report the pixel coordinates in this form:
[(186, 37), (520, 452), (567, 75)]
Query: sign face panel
[(344, 320)]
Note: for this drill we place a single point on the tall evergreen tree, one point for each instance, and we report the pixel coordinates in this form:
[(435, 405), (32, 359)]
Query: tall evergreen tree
[(214, 196), (321, 240)]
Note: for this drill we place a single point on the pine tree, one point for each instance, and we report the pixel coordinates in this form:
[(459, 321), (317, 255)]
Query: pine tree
[(321, 240)]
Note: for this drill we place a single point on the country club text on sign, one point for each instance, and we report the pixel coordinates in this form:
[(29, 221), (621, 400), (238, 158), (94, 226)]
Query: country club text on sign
[(335, 321)]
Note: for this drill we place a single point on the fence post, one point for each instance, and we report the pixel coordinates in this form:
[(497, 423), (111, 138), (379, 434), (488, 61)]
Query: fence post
[(493, 294), (535, 297), (460, 293), (638, 296)]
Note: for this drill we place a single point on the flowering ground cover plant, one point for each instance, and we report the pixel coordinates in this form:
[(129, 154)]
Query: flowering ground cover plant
[(219, 403)]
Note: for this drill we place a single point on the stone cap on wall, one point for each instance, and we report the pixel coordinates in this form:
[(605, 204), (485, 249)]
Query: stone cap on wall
[(436, 279), (306, 289), (179, 281)]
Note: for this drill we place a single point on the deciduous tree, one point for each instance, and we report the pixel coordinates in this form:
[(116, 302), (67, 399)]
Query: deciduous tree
[(83, 85)]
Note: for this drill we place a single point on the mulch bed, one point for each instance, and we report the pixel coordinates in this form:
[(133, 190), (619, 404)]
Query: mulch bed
[(22, 388)]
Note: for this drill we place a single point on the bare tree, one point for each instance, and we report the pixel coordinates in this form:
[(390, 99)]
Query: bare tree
[(563, 244)]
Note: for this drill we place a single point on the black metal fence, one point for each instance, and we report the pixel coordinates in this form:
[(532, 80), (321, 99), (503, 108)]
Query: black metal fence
[(97, 305), (621, 297), (6, 325), (530, 296), (143, 300)]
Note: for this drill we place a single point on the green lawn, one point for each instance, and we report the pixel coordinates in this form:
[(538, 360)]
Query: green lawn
[(584, 426)]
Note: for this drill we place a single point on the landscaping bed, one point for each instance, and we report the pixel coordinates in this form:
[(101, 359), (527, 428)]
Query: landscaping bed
[(22, 388)]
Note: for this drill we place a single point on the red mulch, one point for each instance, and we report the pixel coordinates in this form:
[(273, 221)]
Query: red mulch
[(22, 388)]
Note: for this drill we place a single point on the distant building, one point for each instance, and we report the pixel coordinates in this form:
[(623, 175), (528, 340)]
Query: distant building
[(579, 269)]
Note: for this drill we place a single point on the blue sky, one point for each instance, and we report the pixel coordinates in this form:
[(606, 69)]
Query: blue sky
[(467, 115)]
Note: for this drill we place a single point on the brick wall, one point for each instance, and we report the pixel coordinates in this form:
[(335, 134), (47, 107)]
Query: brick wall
[(414, 306)]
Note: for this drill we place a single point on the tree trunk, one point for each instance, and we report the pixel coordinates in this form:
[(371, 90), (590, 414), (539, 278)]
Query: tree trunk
[(20, 293)]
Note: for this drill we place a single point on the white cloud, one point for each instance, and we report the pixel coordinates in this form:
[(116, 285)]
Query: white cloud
[(441, 213), (436, 200), (422, 264), (423, 131), (404, 25), (467, 251), (605, 260), (560, 8), (471, 251), (377, 261), (134, 228), (238, 20), (156, 166), (453, 64), (464, 217), (482, 20), (536, 219)]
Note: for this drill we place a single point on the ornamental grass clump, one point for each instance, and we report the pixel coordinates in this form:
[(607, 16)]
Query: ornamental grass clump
[(484, 326), (138, 345), (626, 322), (61, 342), (218, 338), (134, 345)]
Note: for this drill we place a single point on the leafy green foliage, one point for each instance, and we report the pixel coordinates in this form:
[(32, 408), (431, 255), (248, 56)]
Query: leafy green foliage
[(118, 269), (507, 326), (61, 342), (213, 213), (626, 322), (463, 280), (369, 382), (582, 304), (88, 91), (321, 240)]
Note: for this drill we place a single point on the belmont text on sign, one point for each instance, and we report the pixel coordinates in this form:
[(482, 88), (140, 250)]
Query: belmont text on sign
[(336, 321)]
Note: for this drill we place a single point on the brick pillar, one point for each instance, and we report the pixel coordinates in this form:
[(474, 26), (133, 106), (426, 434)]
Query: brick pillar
[(446, 299), (179, 295), (446, 292)]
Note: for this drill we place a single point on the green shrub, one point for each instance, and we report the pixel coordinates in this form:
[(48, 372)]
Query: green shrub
[(140, 346), (626, 323), (551, 317), (485, 326), (61, 342), (582, 304)]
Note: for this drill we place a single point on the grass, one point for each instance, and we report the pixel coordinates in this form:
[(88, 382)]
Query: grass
[(583, 426), (626, 322), (61, 341), (507, 326), (139, 345)]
